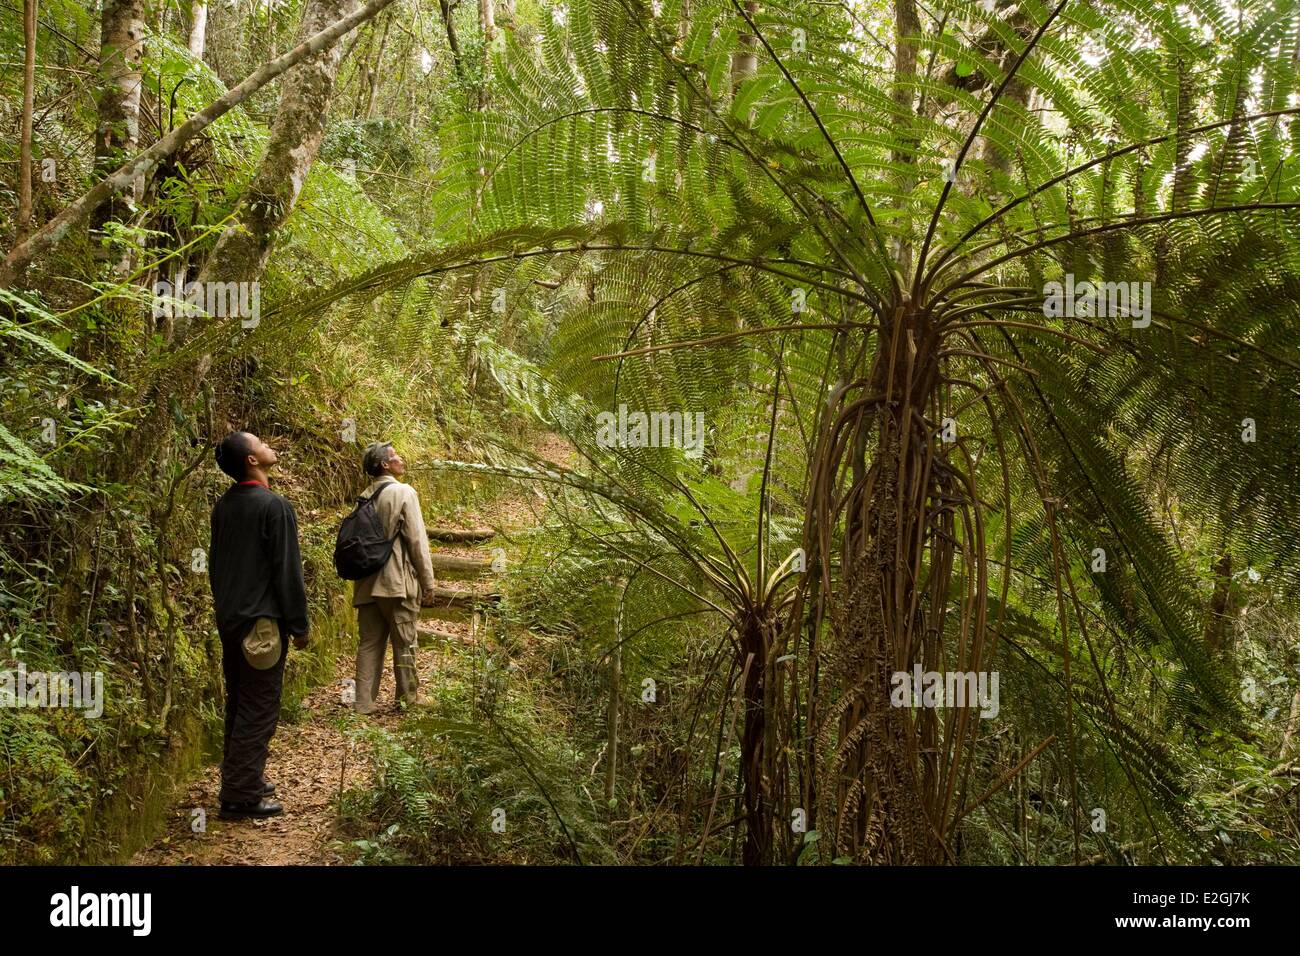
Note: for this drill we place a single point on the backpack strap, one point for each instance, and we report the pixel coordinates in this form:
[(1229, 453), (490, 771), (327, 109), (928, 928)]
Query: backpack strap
[(401, 519), (378, 491)]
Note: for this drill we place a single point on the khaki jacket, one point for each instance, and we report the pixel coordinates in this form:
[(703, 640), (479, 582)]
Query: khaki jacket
[(410, 569)]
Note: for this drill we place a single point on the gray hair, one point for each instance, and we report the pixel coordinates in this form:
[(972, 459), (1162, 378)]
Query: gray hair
[(376, 456)]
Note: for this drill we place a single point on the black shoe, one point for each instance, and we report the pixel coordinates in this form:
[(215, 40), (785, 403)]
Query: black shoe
[(268, 789), (254, 809)]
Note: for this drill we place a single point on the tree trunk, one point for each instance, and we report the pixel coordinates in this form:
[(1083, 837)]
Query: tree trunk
[(58, 228), (25, 137), (744, 61), (245, 246), (1184, 181), (883, 771), (1289, 734), (1227, 167), (372, 75), (488, 23), (117, 132), (479, 102), (755, 752), (1219, 620), (1018, 91), (453, 41), (198, 28), (907, 24), (363, 72), (611, 710)]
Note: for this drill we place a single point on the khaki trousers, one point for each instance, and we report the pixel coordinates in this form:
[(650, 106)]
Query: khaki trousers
[(379, 623)]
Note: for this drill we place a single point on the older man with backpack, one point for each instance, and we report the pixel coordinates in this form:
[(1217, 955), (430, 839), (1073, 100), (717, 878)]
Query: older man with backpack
[(383, 547)]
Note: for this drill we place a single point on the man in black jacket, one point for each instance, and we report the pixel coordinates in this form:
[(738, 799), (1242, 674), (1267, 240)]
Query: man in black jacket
[(257, 589)]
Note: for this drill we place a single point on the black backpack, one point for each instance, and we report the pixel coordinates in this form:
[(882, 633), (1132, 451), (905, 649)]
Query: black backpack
[(362, 548)]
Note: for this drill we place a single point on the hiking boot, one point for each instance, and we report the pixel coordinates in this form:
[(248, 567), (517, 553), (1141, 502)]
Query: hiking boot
[(251, 810), (268, 788)]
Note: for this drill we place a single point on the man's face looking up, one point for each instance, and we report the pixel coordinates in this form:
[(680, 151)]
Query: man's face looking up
[(260, 454)]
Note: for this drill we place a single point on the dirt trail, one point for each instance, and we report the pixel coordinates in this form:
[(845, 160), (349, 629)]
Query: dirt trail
[(309, 763), (310, 760)]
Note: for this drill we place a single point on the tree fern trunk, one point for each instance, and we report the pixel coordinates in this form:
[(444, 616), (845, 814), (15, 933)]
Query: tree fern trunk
[(1184, 181), (754, 753), (1227, 167), (887, 797)]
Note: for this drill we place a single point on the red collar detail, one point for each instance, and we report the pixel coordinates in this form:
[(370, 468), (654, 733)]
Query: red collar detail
[(254, 482)]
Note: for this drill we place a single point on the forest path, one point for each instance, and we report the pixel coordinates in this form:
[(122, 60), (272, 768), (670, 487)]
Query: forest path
[(312, 759), (311, 762)]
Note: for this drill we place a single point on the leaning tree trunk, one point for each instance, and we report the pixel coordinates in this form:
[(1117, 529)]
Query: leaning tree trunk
[(245, 246), (83, 207), (242, 251)]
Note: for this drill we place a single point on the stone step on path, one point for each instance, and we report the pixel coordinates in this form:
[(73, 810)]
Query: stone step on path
[(466, 588), (460, 534), (457, 564)]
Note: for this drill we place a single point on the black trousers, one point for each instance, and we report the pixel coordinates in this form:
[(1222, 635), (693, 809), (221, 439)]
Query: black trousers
[(252, 713)]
